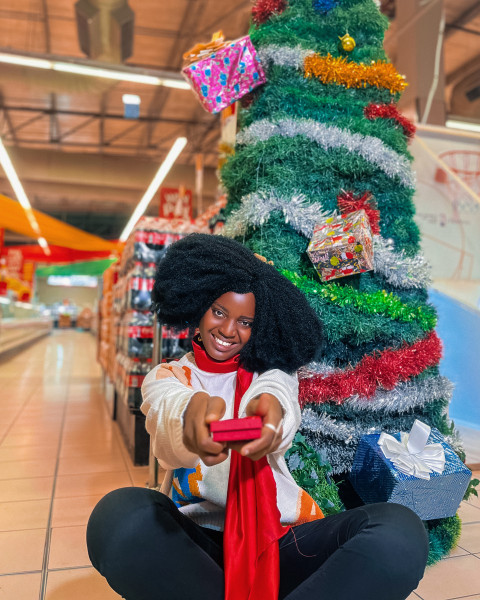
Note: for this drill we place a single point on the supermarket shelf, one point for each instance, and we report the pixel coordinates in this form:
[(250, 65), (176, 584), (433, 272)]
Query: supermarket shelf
[(15, 333)]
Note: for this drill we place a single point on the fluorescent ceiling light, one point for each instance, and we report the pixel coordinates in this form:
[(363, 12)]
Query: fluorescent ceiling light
[(464, 125), (43, 243), (131, 99), (162, 172), (13, 178), (21, 195), (25, 61), (106, 73), (175, 83), (91, 71)]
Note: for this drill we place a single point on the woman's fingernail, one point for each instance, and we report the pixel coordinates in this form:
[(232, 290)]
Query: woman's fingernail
[(246, 452)]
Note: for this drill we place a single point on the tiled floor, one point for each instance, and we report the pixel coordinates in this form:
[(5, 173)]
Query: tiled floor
[(60, 453)]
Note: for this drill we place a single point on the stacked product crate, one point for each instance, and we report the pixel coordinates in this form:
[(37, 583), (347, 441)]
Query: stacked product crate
[(144, 248), (106, 333)]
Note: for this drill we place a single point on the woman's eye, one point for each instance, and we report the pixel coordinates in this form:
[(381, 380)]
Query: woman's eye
[(246, 323), (217, 312)]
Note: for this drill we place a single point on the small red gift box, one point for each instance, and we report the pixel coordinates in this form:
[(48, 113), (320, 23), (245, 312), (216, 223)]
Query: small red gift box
[(234, 430)]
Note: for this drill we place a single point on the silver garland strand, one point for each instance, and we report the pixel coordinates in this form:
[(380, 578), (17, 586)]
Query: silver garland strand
[(370, 148), (400, 270), (256, 208), (339, 440), (284, 56), (405, 396)]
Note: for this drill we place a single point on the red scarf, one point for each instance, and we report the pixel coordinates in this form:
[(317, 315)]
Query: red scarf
[(252, 519)]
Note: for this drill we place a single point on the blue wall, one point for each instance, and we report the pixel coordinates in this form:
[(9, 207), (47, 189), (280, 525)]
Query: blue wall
[(459, 328)]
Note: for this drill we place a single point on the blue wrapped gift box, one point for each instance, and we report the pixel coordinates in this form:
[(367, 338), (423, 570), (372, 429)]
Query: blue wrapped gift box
[(375, 479)]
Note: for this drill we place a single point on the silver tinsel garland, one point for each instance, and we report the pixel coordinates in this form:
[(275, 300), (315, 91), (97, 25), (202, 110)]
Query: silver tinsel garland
[(256, 208), (370, 148), (339, 440), (398, 269), (405, 396), (284, 56)]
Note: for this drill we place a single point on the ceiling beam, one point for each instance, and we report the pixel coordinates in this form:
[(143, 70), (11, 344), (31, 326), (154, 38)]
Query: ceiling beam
[(18, 15), (463, 70), (26, 123), (99, 115), (465, 29), (54, 128), (11, 130), (81, 125), (159, 33), (131, 147), (123, 133), (190, 18), (463, 19), (101, 123), (22, 15), (211, 27)]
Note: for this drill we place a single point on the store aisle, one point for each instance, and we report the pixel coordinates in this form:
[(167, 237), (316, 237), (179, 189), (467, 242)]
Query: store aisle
[(59, 454)]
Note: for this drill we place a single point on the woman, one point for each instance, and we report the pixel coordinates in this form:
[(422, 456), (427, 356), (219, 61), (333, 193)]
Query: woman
[(238, 526)]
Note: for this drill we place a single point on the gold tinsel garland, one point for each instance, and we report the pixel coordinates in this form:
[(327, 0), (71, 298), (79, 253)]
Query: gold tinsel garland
[(351, 74)]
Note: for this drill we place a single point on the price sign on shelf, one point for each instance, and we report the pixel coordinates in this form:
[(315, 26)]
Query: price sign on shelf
[(175, 203)]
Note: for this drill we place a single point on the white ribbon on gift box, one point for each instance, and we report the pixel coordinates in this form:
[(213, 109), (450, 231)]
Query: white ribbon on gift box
[(412, 455)]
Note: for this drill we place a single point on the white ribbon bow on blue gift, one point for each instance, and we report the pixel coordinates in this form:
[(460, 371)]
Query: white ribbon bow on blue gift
[(412, 455)]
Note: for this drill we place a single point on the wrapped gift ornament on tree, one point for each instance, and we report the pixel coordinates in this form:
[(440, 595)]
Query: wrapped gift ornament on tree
[(342, 245), (221, 73), (419, 470)]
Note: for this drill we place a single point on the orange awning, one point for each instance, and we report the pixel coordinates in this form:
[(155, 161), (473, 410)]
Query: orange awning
[(13, 218)]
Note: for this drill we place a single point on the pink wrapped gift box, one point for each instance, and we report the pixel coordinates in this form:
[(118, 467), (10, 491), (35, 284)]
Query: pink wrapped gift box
[(342, 245), (226, 75)]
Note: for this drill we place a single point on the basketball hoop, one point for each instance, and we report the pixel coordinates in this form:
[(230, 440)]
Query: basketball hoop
[(465, 164)]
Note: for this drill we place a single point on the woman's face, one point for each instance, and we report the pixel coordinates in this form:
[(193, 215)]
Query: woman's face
[(227, 325)]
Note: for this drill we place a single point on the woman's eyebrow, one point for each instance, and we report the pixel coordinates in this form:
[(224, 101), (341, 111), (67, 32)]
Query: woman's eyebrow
[(218, 305)]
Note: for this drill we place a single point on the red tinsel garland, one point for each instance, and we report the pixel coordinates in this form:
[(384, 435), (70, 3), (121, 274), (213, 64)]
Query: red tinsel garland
[(379, 370), (347, 202), (264, 9), (390, 111)]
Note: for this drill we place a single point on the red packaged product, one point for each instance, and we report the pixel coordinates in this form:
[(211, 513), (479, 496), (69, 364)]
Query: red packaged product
[(235, 430)]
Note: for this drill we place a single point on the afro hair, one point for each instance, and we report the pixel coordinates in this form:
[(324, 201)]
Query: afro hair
[(198, 269)]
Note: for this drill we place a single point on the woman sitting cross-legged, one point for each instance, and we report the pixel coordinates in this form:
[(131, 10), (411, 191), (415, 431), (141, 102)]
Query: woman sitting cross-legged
[(237, 525)]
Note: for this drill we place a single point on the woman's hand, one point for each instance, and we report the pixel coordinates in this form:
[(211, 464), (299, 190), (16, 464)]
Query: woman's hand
[(270, 409), (201, 411)]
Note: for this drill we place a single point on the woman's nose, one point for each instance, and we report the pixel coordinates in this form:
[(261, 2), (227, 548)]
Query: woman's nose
[(228, 328)]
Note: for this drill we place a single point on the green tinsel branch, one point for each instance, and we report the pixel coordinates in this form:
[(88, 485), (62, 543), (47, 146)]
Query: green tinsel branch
[(443, 535), (311, 472), (381, 302)]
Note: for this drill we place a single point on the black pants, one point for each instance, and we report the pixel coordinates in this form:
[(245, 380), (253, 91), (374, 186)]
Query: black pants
[(148, 550)]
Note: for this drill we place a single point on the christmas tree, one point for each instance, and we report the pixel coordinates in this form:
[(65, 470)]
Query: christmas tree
[(324, 134)]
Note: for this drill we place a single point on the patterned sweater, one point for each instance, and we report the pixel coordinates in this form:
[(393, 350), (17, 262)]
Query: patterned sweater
[(201, 491)]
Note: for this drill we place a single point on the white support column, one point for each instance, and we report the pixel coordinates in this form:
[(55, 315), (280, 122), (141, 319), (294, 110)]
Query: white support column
[(419, 26)]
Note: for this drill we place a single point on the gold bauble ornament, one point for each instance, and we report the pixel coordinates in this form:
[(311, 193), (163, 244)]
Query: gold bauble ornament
[(348, 43)]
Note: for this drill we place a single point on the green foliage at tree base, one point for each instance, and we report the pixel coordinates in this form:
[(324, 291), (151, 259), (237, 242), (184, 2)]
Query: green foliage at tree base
[(443, 536), (312, 473)]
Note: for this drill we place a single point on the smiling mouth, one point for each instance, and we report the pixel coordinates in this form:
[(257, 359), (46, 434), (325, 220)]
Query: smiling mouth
[(221, 342)]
